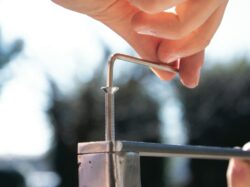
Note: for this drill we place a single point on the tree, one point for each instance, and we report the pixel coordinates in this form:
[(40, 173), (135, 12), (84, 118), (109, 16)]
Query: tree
[(217, 113), (9, 177), (8, 52)]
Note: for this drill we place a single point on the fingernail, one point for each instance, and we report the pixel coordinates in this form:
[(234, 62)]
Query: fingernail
[(147, 32), (191, 82), (246, 147), (171, 58), (189, 85)]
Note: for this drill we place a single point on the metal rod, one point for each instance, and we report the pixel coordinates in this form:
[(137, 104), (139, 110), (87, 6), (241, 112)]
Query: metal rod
[(109, 113), (190, 151), (110, 90), (127, 58)]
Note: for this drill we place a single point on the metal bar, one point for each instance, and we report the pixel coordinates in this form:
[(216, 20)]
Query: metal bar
[(110, 112), (190, 151), (127, 169)]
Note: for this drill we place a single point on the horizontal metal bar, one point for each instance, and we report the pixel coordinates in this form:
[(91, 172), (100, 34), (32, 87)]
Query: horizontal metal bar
[(190, 151)]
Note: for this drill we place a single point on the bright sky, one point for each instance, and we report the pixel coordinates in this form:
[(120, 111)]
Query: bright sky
[(62, 42)]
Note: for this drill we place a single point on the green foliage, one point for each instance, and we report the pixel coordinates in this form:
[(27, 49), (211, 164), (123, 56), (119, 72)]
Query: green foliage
[(8, 52), (11, 178), (217, 113)]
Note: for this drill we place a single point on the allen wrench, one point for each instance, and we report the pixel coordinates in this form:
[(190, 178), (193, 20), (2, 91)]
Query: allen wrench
[(110, 90)]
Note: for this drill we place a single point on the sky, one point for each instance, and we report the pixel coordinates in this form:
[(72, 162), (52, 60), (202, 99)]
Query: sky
[(61, 42)]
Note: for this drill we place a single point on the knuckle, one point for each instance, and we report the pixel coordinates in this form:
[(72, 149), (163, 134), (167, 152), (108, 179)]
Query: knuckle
[(181, 29), (202, 40), (185, 27), (151, 7), (179, 32), (205, 42)]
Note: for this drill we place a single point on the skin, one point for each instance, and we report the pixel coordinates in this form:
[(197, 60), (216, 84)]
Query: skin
[(176, 38), (238, 172)]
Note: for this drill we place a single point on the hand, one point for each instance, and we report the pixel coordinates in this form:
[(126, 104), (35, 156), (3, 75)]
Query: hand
[(178, 39), (238, 172)]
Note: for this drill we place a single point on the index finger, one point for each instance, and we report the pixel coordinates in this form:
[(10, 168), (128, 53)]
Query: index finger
[(154, 6)]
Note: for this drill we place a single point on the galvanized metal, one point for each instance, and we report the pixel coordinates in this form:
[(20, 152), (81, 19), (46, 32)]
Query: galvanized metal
[(94, 170), (127, 169), (98, 167)]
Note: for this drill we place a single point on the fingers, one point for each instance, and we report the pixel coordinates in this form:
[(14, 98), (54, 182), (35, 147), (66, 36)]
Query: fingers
[(190, 15), (190, 69), (170, 50), (89, 7), (238, 172), (164, 75), (154, 6), (184, 35), (246, 147)]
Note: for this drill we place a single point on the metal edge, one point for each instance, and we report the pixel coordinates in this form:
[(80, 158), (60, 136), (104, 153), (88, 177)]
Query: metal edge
[(94, 147)]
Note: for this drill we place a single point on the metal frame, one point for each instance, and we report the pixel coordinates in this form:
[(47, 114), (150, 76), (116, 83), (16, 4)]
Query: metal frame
[(112, 163)]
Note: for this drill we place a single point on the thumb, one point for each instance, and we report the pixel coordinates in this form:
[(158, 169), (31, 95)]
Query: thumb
[(238, 172)]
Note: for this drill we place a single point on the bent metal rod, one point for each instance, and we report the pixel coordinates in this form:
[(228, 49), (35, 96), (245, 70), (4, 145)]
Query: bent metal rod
[(147, 149), (110, 89)]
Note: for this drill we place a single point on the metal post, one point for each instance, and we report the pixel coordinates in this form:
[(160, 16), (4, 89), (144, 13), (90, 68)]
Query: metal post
[(94, 166), (127, 169), (109, 112), (94, 170)]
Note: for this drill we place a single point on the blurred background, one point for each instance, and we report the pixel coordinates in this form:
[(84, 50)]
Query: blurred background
[(52, 65)]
